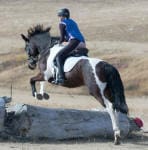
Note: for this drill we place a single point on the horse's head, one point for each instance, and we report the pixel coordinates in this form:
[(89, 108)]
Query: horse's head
[(37, 41)]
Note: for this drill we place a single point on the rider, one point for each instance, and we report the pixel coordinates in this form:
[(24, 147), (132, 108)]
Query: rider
[(69, 32)]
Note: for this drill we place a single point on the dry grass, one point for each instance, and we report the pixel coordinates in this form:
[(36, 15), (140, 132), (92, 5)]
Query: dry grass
[(115, 30)]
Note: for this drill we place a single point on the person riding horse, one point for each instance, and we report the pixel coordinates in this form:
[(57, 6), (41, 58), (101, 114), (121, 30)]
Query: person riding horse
[(69, 31), (101, 78)]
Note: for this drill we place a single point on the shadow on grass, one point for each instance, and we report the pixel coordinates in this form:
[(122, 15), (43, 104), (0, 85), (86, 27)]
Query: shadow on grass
[(135, 138)]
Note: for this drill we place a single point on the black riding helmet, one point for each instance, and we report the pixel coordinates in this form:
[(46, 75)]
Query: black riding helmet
[(64, 12)]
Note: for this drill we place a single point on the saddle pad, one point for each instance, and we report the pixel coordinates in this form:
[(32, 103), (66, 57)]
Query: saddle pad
[(71, 62)]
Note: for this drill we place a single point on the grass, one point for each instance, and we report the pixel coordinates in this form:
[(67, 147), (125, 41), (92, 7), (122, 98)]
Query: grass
[(115, 31)]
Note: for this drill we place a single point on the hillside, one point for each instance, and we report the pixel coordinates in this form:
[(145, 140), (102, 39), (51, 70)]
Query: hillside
[(115, 30)]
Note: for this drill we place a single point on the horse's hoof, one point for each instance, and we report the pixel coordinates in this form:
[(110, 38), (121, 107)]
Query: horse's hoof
[(46, 96), (39, 96), (117, 140)]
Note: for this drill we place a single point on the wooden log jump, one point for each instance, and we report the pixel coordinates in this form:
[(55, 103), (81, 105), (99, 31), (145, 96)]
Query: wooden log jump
[(34, 122)]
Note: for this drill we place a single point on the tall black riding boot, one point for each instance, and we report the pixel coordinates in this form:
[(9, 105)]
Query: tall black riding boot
[(60, 66)]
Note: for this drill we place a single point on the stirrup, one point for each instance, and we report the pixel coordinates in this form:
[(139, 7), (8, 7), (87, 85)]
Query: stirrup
[(54, 82), (59, 81)]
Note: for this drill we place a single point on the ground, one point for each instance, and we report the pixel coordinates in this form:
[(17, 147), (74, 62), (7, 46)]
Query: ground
[(82, 102), (115, 30)]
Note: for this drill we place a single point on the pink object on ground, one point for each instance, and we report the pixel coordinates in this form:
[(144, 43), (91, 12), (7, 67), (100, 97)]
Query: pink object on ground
[(138, 122)]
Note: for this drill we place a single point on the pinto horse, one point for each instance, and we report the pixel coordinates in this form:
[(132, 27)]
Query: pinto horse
[(101, 78)]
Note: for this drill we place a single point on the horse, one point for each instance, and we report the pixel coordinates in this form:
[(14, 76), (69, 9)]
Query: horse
[(102, 79)]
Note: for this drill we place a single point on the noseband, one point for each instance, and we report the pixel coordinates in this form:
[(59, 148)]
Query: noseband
[(32, 62)]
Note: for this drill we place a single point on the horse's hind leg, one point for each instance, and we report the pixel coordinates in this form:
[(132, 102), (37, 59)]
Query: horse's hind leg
[(98, 94), (115, 121), (97, 87), (113, 113)]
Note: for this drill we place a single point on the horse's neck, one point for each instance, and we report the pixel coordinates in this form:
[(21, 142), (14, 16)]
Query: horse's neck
[(54, 51), (49, 72), (43, 60), (46, 58)]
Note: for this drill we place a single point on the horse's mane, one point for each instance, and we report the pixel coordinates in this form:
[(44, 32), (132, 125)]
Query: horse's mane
[(38, 29)]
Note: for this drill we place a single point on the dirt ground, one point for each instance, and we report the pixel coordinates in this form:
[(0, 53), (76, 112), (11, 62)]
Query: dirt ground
[(115, 30), (138, 108)]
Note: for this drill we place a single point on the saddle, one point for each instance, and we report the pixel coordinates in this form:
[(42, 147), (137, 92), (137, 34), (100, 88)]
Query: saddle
[(69, 61), (75, 53), (78, 52)]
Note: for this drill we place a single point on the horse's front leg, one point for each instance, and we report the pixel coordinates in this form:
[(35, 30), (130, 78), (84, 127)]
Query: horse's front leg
[(33, 81), (42, 94), (33, 87)]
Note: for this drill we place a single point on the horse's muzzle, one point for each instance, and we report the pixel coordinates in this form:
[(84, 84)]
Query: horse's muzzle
[(32, 62), (31, 66)]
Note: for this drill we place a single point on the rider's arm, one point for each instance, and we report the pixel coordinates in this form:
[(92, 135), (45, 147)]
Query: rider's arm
[(62, 32)]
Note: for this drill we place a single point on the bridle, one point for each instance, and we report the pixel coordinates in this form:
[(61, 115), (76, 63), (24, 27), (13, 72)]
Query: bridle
[(34, 59), (32, 62)]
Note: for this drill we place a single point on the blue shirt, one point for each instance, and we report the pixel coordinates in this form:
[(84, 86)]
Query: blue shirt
[(72, 30)]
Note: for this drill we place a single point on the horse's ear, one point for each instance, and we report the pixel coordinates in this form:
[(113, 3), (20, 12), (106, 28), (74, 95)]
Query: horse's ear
[(24, 38), (48, 29)]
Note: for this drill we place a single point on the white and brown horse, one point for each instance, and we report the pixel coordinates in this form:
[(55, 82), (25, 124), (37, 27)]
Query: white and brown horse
[(101, 78)]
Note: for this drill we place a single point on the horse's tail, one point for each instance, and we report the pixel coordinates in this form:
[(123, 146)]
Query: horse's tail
[(117, 90)]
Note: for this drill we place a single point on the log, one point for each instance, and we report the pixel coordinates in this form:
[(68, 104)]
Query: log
[(3, 101), (2, 114), (34, 122)]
